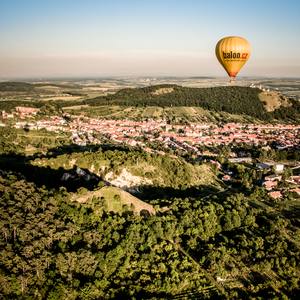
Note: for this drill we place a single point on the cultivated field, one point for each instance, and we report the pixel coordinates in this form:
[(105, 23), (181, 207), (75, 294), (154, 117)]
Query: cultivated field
[(174, 114)]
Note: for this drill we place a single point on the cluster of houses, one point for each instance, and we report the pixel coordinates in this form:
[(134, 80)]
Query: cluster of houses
[(272, 183), (284, 135), (21, 112), (275, 182), (186, 137), (189, 136)]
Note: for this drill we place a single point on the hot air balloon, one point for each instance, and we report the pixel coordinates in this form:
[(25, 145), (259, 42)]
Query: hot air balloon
[(232, 53)]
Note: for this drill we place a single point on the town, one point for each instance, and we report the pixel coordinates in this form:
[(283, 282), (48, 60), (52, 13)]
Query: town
[(186, 137)]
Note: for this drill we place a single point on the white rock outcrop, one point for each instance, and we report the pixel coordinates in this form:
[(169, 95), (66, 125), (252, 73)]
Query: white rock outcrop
[(126, 179)]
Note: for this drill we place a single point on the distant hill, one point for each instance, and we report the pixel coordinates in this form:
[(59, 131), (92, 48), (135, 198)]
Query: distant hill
[(14, 94), (18, 86), (11, 86), (248, 103), (230, 99)]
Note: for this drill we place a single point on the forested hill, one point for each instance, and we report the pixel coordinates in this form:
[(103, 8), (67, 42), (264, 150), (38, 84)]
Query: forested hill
[(19, 86), (231, 99), (12, 86), (235, 100)]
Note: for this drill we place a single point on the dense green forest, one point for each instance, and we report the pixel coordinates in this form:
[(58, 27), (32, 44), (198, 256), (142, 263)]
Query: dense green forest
[(225, 247)]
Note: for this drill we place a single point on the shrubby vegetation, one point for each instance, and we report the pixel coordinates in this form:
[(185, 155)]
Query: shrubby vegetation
[(9, 105), (19, 141), (161, 170)]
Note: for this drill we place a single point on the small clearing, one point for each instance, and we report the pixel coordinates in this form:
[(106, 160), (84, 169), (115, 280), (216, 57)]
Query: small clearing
[(162, 91), (273, 100), (115, 199)]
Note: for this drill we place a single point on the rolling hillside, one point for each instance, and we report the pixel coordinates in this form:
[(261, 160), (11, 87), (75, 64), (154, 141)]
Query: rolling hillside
[(19, 86), (130, 170), (230, 99), (11, 86), (214, 104)]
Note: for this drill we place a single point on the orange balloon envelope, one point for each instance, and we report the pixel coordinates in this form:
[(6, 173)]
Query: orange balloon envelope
[(232, 53)]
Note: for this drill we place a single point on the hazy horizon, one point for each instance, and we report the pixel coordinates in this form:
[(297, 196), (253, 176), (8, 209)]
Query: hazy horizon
[(124, 77), (74, 39)]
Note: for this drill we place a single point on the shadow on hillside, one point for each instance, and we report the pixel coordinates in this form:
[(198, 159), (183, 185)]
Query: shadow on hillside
[(293, 214), (74, 148), (149, 192), (46, 176), (52, 178)]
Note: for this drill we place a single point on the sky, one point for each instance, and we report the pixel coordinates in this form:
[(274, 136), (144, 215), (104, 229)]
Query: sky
[(98, 38)]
